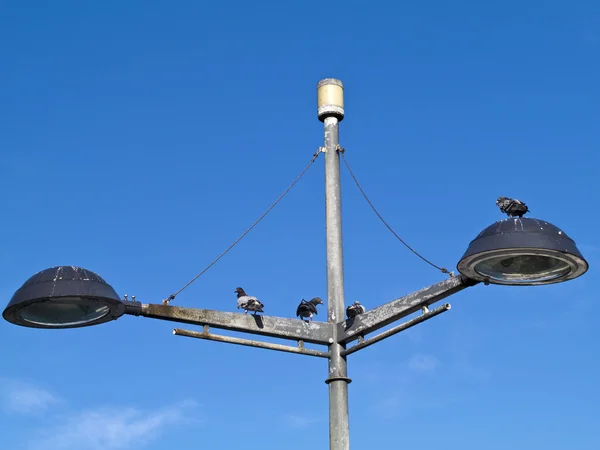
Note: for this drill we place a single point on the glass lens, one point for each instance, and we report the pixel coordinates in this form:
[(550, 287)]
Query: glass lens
[(64, 311), (523, 268)]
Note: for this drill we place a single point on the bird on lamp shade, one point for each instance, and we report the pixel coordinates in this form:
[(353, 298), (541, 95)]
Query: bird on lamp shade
[(512, 207)]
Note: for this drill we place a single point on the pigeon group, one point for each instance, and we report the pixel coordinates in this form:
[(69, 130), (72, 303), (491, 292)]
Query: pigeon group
[(248, 302), (354, 310), (308, 308), (305, 310), (512, 207)]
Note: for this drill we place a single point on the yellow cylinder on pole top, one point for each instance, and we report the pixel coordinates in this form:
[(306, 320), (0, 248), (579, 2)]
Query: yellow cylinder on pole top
[(330, 99)]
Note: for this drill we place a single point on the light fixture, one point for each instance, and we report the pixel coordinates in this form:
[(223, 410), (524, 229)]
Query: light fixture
[(64, 297), (522, 252)]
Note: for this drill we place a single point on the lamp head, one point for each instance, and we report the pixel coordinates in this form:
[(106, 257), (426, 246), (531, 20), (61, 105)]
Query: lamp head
[(64, 297), (522, 252)]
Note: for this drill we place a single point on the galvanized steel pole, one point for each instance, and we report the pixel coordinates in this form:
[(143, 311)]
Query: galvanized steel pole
[(330, 99)]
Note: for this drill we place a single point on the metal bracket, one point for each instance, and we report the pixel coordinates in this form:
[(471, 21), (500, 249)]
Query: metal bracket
[(337, 149), (330, 379), (133, 308), (206, 334)]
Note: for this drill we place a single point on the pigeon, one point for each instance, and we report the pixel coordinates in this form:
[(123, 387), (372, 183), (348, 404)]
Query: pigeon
[(512, 207), (354, 310), (247, 302), (308, 308)]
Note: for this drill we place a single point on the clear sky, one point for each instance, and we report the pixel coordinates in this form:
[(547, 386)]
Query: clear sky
[(139, 139)]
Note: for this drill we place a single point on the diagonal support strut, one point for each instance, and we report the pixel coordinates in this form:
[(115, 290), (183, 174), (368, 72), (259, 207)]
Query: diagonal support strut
[(397, 329), (351, 329)]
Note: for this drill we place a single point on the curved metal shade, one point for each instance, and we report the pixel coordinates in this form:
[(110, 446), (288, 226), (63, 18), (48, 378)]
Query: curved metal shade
[(522, 252), (64, 297)]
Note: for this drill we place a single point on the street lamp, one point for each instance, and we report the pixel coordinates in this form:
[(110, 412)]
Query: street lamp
[(64, 297), (510, 252), (522, 252)]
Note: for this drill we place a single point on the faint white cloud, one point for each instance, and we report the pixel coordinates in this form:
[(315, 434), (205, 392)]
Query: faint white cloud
[(469, 372), (423, 363), (406, 387), (113, 428), (104, 428), (25, 398), (388, 407), (409, 400), (299, 421)]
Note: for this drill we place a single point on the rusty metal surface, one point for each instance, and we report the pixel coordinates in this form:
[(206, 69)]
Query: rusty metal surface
[(313, 332), (250, 343), (397, 329), (383, 315), (132, 308)]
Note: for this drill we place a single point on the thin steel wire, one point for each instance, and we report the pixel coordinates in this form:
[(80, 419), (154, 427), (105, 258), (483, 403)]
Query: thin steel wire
[(256, 222), (441, 269)]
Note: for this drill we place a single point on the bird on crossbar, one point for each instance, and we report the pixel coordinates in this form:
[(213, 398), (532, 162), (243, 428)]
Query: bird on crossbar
[(248, 302)]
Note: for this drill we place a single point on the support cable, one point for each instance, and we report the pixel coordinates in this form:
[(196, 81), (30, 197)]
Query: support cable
[(441, 269), (172, 296)]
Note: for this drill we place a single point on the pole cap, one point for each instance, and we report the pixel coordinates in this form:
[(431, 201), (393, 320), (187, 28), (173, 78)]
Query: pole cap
[(330, 99)]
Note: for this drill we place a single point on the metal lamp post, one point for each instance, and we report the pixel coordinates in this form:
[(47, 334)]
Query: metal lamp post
[(509, 252)]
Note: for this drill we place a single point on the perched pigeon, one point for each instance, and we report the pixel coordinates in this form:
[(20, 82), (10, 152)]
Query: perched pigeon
[(247, 302), (355, 310), (512, 207), (308, 308)]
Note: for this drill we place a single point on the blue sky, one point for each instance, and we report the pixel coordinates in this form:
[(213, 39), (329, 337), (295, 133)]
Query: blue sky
[(139, 139)]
